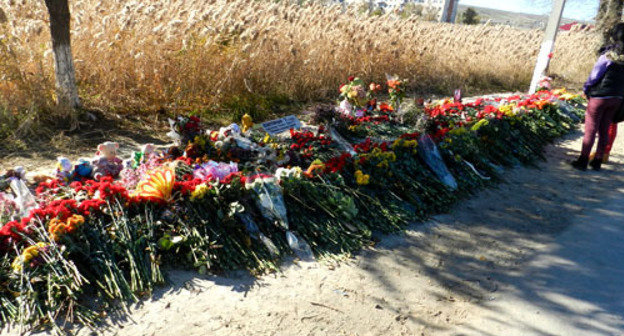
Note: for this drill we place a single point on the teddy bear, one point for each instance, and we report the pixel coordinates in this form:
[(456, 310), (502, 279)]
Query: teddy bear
[(107, 163), (247, 122)]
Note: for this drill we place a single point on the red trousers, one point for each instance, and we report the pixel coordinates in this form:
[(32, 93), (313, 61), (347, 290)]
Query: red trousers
[(612, 134), (598, 121)]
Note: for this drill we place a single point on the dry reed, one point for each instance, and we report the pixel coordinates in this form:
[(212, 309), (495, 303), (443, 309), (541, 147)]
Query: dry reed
[(142, 56)]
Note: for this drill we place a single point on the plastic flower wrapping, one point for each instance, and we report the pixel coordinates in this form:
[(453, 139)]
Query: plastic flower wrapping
[(104, 226), (214, 170), (269, 198), (7, 205)]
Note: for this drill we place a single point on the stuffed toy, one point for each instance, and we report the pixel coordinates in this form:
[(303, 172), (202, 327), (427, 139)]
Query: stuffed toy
[(247, 123), (64, 169), (83, 170), (107, 163), (141, 157), (17, 172)]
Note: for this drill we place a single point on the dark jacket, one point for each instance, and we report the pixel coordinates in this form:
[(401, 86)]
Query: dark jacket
[(606, 79)]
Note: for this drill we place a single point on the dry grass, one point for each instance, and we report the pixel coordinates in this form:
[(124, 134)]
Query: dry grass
[(198, 54)]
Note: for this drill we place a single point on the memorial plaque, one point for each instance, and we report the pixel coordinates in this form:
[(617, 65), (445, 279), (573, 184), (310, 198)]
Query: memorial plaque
[(277, 126)]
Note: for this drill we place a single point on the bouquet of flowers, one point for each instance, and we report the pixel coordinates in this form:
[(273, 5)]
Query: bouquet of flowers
[(354, 94)]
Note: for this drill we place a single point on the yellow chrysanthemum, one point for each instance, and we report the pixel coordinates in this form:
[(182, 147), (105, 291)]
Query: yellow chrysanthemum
[(199, 192), (479, 124), (410, 144), (361, 178), (27, 255)]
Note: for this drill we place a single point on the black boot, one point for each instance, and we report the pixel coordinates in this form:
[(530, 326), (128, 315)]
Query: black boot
[(580, 163), (596, 163)]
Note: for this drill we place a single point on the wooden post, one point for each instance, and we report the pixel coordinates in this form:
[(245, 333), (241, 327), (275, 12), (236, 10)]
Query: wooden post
[(548, 45)]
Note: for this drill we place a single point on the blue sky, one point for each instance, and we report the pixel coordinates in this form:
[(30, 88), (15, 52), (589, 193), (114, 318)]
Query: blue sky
[(575, 9)]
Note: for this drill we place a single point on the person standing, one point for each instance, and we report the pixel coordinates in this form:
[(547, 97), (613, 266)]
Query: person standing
[(605, 91)]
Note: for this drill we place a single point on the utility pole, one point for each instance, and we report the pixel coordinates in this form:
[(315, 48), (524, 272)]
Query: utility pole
[(548, 45), (449, 10)]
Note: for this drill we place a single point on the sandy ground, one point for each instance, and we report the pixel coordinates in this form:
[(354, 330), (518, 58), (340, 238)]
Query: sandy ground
[(536, 255)]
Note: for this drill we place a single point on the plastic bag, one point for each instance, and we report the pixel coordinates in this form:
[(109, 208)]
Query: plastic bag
[(255, 233), (471, 166), (173, 134), (269, 198), (299, 246), (24, 200), (429, 152), (271, 201), (344, 144), (567, 110)]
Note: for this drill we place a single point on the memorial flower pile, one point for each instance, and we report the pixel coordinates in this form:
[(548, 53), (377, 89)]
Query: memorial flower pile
[(241, 198)]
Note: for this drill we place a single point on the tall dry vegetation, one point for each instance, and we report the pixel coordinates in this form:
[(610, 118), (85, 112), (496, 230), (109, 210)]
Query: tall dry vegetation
[(189, 54)]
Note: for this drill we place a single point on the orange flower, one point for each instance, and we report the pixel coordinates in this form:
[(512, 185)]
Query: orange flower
[(316, 165), (541, 103), (158, 185), (385, 107), (394, 84), (57, 228)]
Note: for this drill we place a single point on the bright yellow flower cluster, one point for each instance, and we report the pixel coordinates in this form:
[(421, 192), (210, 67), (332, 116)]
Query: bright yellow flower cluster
[(361, 178), (398, 143), (508, 109), (565, 95), (479, 124), (27, 255), (199, 192), (385, 157), (559, 92)]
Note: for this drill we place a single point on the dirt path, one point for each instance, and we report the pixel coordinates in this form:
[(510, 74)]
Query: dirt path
[(508, 259), (574, 287), (535, 256)]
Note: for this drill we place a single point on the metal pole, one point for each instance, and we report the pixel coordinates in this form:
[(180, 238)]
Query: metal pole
[(548, 45), (445, 10), (449, 10), (454, 12)]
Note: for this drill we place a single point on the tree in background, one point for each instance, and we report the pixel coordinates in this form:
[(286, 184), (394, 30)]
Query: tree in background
[(66, 90), (412, 9), (470, 16), (609, 13)]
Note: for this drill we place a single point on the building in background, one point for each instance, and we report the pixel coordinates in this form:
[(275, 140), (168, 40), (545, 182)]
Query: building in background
[(447, 9)]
